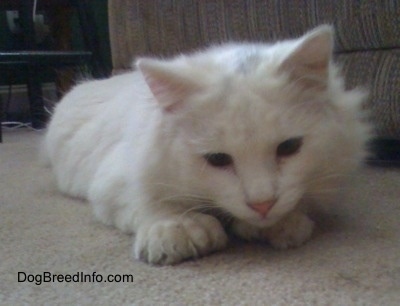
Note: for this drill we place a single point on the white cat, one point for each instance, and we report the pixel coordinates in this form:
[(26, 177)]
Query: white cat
[(246, 132)]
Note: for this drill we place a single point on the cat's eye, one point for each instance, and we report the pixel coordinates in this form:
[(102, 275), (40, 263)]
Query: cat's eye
[(218, 160), (289, 147)]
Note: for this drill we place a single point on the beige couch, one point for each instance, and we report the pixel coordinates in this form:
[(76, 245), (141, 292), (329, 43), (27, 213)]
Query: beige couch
[(367, 36)]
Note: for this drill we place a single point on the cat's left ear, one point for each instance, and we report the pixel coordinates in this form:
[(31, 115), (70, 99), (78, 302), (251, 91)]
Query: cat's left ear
[(167, 81), (308, 63)]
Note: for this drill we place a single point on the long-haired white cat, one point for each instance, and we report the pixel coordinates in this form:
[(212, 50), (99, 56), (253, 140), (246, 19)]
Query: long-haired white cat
[(248, 132)]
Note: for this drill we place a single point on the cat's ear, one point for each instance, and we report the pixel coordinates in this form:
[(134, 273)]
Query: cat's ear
[(308, 63), (167, 82)]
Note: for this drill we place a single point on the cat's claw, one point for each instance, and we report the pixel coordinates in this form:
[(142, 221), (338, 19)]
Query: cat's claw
[(170, 241)]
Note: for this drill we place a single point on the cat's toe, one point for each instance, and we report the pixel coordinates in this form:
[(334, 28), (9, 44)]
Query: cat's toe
[(174, 240), (291, 232)]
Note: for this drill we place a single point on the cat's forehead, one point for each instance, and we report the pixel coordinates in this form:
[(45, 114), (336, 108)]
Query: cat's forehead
[(242, 118), (246, 106), (247, 119)]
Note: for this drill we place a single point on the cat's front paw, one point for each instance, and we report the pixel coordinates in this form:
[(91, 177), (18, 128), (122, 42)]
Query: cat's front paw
[(292, 231), (173, 240)]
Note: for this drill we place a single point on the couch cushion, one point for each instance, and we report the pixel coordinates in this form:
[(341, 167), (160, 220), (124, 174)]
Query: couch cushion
[(367, 36), (165, 27), (379, 73)]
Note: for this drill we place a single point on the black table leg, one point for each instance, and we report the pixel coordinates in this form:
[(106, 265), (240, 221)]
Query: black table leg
[(38, 115), (89, 31)]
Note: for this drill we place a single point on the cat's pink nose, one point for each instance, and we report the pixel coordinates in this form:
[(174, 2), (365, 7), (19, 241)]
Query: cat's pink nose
[(263, 208)]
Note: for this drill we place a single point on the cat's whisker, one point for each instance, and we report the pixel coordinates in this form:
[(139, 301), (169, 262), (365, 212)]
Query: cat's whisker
[(183, 214), (325, 191), (212, 209), (323, 179), (180, 198)]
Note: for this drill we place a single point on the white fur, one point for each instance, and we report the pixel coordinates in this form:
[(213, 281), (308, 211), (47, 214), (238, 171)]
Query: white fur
[(133, 144)]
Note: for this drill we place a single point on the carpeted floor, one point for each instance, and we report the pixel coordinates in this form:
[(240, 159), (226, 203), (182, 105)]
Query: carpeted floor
[(354, 259)]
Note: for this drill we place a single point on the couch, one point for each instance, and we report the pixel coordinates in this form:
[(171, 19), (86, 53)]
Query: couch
[(367, 37)]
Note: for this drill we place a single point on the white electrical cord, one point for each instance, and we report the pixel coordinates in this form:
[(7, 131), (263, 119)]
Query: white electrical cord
[(34, 10), (15, 125)]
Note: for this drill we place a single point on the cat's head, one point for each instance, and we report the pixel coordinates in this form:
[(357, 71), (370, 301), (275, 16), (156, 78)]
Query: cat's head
[(256, 127)]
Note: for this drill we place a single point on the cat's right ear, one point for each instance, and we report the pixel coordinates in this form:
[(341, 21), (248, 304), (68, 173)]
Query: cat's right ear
[(308, 64), (167, 82)]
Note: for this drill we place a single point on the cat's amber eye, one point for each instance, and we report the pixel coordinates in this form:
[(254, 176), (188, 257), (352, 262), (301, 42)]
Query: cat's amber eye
[(289, 147), (218, 160)]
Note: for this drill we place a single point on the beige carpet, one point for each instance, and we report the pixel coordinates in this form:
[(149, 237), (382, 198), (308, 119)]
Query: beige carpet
[(353, 260)]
